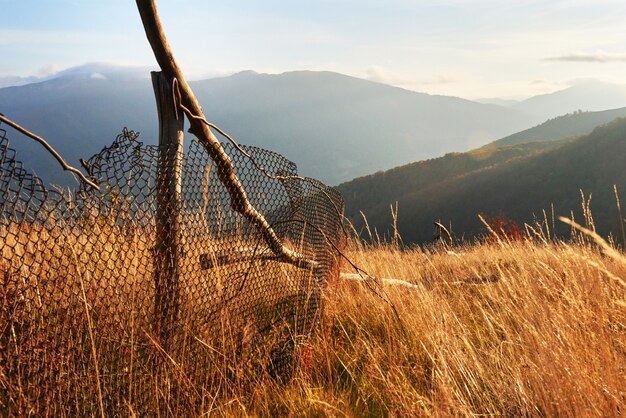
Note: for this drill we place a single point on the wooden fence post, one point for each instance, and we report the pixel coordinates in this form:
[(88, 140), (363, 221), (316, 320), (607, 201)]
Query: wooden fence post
[(167, 265)]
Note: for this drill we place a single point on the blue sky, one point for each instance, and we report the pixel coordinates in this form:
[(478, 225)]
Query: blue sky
[(471, 48)]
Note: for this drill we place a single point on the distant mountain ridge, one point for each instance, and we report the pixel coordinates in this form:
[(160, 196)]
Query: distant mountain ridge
[(585, 95), (335, 127), (93, 70)]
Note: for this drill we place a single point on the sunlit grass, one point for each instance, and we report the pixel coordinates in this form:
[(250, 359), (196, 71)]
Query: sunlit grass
[(523, 328), (544, 336)]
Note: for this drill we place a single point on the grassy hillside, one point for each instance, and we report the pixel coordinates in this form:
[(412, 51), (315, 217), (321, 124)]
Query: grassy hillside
[(385, 187), (569, 125), (546, 339), (546, 336), (516, 188)]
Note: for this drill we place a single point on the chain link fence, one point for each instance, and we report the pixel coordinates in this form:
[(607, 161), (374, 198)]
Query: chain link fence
[(105, 309)]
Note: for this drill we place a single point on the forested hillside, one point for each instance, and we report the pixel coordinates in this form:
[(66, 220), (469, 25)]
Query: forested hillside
[(516, 182), (569, 125)]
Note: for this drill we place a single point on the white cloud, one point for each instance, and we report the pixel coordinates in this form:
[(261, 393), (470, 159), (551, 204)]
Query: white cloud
[(47, 71), (597, 58)]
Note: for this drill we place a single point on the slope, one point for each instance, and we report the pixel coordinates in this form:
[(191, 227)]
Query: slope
[(519, 187), (569, 125)]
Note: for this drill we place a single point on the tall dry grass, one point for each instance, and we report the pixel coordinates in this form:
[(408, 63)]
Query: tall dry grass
[(548, 338), (511, 329), (523, 328)]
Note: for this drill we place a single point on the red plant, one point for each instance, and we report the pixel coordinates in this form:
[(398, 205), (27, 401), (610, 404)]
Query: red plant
[(504, 227), (306, 360)]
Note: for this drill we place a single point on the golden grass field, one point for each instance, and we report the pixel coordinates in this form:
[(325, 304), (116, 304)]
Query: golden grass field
[(526, 328), (547, 339)]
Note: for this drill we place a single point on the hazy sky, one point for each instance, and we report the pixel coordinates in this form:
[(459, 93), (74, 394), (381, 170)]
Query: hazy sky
[(471, 48)]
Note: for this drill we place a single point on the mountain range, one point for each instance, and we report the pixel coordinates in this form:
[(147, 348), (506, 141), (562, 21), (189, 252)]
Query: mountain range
[(584, 94), (334, 127)]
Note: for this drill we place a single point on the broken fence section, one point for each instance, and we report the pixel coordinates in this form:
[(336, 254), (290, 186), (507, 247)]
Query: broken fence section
[(86, 316)]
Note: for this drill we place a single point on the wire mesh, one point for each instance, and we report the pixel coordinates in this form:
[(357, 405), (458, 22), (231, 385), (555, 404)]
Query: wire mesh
[(120, 300)]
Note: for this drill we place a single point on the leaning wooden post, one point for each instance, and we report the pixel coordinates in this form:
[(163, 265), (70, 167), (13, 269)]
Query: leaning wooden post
[(199, 126), (168, 207)]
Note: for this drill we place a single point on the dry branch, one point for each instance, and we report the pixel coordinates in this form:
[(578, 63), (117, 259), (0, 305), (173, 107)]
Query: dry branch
[(384, 280), (490, 278), (223, 258), (223, 164), (443, 231), (51, 150)]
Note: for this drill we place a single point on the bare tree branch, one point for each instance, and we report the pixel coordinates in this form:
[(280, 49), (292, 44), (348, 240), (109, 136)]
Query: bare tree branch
[(223, 164), (224, 258), (51, 150)]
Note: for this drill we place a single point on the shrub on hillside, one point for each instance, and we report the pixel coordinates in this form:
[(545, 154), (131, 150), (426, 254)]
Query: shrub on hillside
[(505, 227)]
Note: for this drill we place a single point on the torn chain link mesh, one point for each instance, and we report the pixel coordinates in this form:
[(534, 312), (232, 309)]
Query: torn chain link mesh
[(93, 312)]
